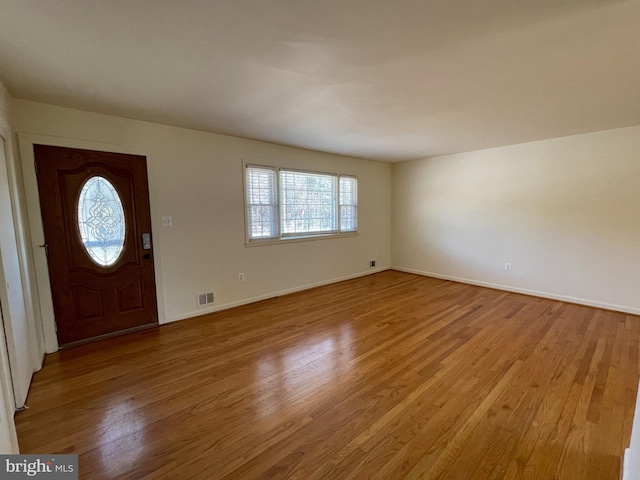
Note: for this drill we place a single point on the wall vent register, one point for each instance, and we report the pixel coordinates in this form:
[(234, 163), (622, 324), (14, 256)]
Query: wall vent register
[(204, 299)]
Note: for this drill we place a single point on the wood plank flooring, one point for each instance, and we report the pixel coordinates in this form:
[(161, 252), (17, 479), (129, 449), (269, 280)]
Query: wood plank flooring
[(390, 376)]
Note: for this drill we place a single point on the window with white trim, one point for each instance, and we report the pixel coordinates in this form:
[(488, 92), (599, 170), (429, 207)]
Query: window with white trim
[(284, 203), (348, 204), (262, 202)]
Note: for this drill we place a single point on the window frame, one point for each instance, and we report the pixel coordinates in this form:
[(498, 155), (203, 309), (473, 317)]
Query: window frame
[(281, 237), (247, 204), (353, 206)]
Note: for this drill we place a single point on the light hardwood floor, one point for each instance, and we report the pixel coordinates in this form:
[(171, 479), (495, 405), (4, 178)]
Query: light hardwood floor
[(390, 376)]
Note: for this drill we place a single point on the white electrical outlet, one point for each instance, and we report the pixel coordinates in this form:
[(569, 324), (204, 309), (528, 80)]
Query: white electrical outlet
[(241, 277), (167, 221), (507, 266)]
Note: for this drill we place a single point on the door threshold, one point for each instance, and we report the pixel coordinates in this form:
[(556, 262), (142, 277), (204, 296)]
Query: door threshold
[(108, 335)]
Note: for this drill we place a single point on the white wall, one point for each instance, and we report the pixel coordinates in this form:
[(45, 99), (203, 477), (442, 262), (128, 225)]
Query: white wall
[(196, 177), (564, 212), (8, 255)]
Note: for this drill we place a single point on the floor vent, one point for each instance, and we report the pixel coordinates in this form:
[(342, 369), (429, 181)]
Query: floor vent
[(204, 299)]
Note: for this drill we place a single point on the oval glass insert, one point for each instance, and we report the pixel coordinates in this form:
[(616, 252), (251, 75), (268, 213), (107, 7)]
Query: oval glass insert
[(101, 221)]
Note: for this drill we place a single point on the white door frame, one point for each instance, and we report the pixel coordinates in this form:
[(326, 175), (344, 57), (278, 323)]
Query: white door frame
[(8, 437), (26, 141)]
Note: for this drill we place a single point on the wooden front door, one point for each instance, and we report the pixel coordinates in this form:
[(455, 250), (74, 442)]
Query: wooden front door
[(97, 227)]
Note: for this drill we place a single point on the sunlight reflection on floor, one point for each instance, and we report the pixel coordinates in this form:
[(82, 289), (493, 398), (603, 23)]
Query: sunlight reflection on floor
[(122, 429), (300, 372)]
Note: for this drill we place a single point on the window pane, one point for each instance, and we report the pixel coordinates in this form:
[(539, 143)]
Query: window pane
[(348, 219), (262, 203), (261, 186), (308, 203), (348, 204), (101, 221), (262, 221)]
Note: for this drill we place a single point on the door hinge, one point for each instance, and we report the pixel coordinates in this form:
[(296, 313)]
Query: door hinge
[(46, 248), (35, 165)]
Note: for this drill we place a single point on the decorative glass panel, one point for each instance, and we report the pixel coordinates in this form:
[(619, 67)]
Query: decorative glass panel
[(101, 221)]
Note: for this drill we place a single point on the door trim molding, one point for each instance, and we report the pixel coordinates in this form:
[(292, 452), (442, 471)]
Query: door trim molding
[(26, 141), (8, 436)]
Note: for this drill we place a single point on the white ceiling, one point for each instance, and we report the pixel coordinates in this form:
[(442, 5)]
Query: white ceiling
[(369, 78)]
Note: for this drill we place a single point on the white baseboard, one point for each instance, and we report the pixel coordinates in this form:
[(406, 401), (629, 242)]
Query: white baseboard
[(525, 291), (226, 306)]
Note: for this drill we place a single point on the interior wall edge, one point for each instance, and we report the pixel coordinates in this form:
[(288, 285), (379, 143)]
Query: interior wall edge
[(524, 291)]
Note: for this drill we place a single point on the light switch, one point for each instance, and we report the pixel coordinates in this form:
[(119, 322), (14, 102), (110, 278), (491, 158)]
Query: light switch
[(167, 221)]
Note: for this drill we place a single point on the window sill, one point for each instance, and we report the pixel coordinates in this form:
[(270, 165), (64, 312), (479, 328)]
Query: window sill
[(310, 238)]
